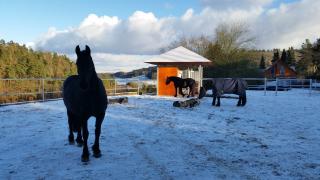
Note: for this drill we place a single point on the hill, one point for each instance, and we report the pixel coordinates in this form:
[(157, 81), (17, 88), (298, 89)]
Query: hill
[(18, 61), (150, 72)]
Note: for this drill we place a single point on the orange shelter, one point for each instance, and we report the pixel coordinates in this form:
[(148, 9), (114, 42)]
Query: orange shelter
[(179, 62)]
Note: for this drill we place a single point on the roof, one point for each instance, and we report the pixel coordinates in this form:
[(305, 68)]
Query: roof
[(179, 55)]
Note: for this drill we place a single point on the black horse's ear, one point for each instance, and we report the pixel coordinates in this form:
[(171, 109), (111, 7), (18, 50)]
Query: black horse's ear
[(78, 50), (88, 49)]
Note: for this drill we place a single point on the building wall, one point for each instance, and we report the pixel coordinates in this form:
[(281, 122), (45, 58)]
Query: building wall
[(279, 70), (163, 73)]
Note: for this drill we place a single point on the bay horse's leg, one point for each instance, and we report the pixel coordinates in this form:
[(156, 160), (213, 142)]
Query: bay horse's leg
[(214, 100), (244, 99), (96, 147), (239, 101), (70, 119), (85, 152), (218, 103)]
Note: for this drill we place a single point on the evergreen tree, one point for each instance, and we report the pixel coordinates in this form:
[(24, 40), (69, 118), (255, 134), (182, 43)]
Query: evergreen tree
[(284, 56), (291, 60), (262, 63), (276, 56)]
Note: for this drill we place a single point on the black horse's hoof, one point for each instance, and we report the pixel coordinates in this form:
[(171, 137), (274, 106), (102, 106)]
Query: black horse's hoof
[(96, 151), (97, 155), (85, 158), (79, 142), (239, 105), (71, 140), (218, 105)]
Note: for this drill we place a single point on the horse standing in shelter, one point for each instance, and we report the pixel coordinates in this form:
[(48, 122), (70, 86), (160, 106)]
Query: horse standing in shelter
[(180, 83)]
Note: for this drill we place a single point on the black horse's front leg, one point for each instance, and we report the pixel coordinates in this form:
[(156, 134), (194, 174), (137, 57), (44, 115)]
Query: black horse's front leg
[(70, 119), (180, 91), (175, 87), (190, 92), (95, 147), (85, 152)]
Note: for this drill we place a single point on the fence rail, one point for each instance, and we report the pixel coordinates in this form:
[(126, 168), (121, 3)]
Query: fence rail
[(279, 84), (14, 91)]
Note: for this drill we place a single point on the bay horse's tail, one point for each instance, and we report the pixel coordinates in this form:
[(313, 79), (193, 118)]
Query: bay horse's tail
[(202, 92)]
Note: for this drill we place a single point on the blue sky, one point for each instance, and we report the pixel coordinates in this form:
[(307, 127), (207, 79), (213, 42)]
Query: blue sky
[(123, 34), (24, 20)]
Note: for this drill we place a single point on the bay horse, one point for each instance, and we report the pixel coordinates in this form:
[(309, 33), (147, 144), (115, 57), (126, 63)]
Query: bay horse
[(180, 83), (222, 86), (84, 96)]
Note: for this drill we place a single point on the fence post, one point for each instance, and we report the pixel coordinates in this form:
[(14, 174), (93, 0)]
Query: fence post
[(138, 86), (115, 87), (310, 86), (265, 86), (276, 86), (43, 90)]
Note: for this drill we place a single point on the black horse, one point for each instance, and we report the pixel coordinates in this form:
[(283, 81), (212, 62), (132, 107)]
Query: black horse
[(182, 83), (222, 86), (84, 96)]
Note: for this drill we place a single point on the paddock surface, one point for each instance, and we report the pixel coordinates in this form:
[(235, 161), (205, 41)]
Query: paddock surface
[(271, 137)]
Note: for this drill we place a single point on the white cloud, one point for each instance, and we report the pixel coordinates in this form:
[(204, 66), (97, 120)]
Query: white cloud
[(288, 25), (145, 34)]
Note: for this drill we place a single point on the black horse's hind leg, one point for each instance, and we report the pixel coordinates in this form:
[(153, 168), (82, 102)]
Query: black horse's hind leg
[(70, 120), (85, 152), (175, 87), (95, 147), (79, 138)]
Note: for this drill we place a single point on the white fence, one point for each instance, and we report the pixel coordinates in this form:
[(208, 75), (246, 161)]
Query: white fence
[(13, 91), (279, 84)]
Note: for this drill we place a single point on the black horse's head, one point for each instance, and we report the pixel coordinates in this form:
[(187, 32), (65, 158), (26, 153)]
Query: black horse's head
[(85, 67), (168, 80)]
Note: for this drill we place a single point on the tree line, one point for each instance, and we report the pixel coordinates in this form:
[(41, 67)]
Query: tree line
[(232, 53), (18, 61)]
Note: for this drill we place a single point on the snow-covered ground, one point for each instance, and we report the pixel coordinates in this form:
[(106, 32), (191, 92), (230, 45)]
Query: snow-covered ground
[(271, 137)]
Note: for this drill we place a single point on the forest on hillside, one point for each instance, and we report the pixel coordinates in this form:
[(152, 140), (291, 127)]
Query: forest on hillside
[(18, 61)]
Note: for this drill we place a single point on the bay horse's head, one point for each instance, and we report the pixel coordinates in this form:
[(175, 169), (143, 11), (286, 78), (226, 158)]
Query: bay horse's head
[(168, 80), (85, 67)]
